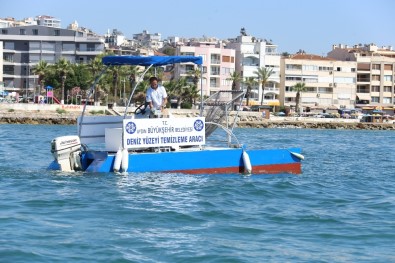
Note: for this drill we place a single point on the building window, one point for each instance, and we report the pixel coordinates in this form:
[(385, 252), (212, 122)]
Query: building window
[(376, 66), (387, 100), (288, 88), (376, 77), (22, 31), (8, 57), (48, 46), (387, 89), (387, 78), (388, 67), (213, 82), (225, 58), (226, 82), (293, 78), (226, 71), (375, 99), (189, 68), (214, 70), (363, 66), (34, 45), (293, 67), (310, 67), (4, 31), (9, 45), (215, 59), (57, 32), (68, 47), (187, 54), (375, 89), (9, 70), (35, 32)]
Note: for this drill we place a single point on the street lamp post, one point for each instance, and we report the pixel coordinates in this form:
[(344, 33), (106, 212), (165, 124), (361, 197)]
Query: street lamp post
[(63, 80), (27, 81), (124, 94), (124, 81)]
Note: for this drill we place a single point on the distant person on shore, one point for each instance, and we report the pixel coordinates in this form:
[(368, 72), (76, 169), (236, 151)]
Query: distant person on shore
[(156, 96)]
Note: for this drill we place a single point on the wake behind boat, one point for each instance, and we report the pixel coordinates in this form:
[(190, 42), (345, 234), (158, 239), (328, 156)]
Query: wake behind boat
[(136, 143)]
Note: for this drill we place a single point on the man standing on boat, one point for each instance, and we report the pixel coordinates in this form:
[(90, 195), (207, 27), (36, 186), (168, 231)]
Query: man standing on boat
[(156, 96)]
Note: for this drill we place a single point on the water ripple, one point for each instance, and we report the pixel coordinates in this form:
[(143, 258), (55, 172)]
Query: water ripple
[(340, 209)]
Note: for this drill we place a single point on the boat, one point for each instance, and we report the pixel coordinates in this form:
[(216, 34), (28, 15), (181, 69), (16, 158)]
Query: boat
[(144, 141)]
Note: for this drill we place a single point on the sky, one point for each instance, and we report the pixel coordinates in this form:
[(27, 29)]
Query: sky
[(311, 25)]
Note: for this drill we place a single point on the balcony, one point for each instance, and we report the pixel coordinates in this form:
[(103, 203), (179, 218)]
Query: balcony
[(363, 79), (271, 91)]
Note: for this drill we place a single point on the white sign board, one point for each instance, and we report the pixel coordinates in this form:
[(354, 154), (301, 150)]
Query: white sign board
[(160, 132)]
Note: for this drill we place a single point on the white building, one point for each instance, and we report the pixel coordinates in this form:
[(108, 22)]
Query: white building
[(218, 64), (252, 54)]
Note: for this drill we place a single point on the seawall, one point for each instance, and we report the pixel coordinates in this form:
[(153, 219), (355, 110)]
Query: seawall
[(245, 119)]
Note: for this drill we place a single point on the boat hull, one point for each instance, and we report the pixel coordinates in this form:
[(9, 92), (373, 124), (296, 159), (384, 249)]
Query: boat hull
[(206, 161)]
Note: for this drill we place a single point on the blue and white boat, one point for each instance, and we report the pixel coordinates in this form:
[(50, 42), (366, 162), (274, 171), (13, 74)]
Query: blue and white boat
[(136, 143)]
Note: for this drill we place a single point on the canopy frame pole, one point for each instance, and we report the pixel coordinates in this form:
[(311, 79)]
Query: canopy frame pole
[(134, 89), (201, 90), (91, 91)]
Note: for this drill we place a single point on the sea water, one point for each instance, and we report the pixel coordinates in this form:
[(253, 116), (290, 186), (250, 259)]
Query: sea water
[(340, 209)]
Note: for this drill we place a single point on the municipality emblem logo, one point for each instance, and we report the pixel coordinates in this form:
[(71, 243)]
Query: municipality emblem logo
[(130, 127), (198, 125)]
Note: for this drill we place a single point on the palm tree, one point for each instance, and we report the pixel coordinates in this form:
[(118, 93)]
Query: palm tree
[(195, 74), (192, 94), (95, 66), (63, 68), (178, 89), (299, 87), (117, 74), (250, 82), (263, 75), (41, 69), (236, 78), (133, 73)]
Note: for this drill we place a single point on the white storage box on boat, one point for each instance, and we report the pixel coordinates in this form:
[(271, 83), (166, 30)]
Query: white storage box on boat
[(113, 139)]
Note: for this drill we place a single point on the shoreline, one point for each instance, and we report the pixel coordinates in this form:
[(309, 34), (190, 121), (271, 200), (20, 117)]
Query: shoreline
[(246, 120)]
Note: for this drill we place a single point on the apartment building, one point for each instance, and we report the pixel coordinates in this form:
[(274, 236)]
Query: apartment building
[(252, 54), (375, 73), (218, 64), (330, 83), (48, 21), (1, 70), (148, 40), (24, 46)]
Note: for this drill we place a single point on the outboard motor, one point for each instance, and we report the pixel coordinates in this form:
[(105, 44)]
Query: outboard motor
[(67, 152)]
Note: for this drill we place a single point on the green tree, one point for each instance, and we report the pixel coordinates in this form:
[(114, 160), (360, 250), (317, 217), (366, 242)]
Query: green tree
[(236, 78), (82, 77), (118, 74), (178, 89), (263, 75), (249, 82), (299, 87), (169, 50), (63, 69), (95, 66), (195, 74), (41, 69)]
